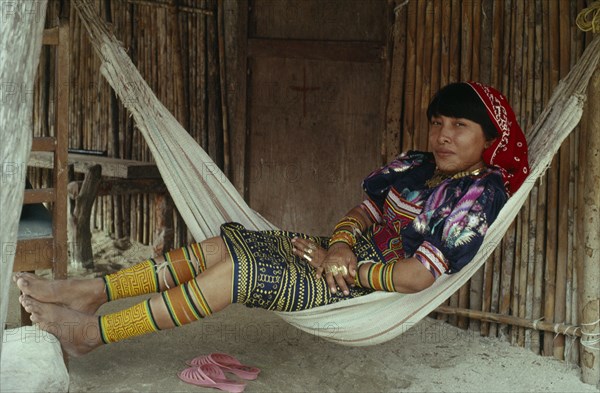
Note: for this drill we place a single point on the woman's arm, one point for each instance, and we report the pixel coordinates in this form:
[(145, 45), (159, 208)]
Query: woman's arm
[(404, 276)]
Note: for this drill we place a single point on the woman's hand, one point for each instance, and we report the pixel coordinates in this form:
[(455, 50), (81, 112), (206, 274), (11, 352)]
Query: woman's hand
[(338, 263), (339, 267), (309, 251)]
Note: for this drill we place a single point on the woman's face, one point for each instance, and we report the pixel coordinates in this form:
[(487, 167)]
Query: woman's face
[(457, 144)]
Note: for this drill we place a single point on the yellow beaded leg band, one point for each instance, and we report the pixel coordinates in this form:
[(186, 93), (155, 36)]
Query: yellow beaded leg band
[(135, 280), (131, 322), (184, 304), (183, 264)]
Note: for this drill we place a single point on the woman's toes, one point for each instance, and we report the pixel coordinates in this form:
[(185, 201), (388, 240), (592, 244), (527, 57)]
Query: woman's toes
[(26, 303), (34, 318), (22, 283), (32, 306)]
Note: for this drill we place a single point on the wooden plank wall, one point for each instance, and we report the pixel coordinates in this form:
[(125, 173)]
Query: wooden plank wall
[(521, 47), (314, 112)]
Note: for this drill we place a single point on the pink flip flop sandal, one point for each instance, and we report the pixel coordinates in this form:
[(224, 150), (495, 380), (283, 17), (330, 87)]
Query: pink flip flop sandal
[(210, 376), (227, 363)]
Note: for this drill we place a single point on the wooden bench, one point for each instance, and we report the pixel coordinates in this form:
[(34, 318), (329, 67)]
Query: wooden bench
[(109, 176)]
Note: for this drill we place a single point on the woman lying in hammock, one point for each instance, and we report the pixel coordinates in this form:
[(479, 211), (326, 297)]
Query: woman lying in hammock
[(425, 215)]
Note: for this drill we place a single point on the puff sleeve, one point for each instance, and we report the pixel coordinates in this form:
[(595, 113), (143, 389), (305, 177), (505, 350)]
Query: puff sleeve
[(404, 171)]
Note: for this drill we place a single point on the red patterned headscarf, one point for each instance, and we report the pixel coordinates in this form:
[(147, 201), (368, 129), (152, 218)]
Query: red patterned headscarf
[(509, 150)]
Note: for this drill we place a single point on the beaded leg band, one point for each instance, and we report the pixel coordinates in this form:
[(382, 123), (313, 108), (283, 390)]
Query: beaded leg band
[(182, 264), (183, 304), (131, 322)]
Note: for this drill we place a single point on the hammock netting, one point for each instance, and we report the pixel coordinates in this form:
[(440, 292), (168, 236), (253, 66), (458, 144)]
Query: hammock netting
[(206, 199)]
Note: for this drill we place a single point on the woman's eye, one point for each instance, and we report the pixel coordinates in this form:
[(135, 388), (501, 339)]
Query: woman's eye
[(460, 124)]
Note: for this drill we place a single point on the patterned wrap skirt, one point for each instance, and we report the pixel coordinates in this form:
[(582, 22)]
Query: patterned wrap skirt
[(268, 275)]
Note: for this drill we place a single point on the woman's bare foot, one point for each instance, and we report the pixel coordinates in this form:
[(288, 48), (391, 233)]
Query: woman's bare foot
[(78, 333), (85, 296)]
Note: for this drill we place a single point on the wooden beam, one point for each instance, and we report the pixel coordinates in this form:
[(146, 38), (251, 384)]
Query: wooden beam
[(351, 51), (45, 143), (170, 7), (111, 167), (121, 187), (510, 320), (40, 195)]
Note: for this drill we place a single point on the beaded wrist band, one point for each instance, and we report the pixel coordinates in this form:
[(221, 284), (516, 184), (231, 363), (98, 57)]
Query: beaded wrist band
[(343, 236), (350, 222), (380, 277), (346, 230)]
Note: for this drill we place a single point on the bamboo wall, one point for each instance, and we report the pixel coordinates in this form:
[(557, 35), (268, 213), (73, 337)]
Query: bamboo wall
[(521, 47), (175, 49)]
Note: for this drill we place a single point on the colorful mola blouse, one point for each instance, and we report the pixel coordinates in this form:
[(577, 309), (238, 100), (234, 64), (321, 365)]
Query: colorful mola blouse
[(443, 225)]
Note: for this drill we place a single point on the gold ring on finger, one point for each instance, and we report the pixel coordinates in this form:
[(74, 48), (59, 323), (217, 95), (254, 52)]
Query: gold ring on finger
[(343, 270), (309, 250), (307, 257)]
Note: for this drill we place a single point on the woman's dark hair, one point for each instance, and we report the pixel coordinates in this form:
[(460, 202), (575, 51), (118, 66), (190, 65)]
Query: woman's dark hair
[(461, 101)]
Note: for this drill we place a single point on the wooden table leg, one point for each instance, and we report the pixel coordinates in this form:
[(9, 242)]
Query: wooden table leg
[(163, 224), (79, 219)]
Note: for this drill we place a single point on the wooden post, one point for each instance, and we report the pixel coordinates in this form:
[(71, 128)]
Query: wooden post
[(395, 75), (59, 213), (236, 42), (589, 263)]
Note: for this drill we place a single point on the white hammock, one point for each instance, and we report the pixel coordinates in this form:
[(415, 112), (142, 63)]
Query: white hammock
[(206, 199)]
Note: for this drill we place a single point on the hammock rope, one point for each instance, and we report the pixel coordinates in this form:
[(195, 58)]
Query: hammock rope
[(205, 197), (589, 18)]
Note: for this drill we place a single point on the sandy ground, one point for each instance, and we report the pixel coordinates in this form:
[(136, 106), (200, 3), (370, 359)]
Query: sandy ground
[(431, 357)]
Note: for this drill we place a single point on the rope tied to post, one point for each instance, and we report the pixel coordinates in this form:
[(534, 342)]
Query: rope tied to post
[(590, 340)]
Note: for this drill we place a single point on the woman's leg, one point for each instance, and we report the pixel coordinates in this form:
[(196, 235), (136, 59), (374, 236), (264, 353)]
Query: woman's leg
[(79, 333), (172, 269), (153, 275)]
